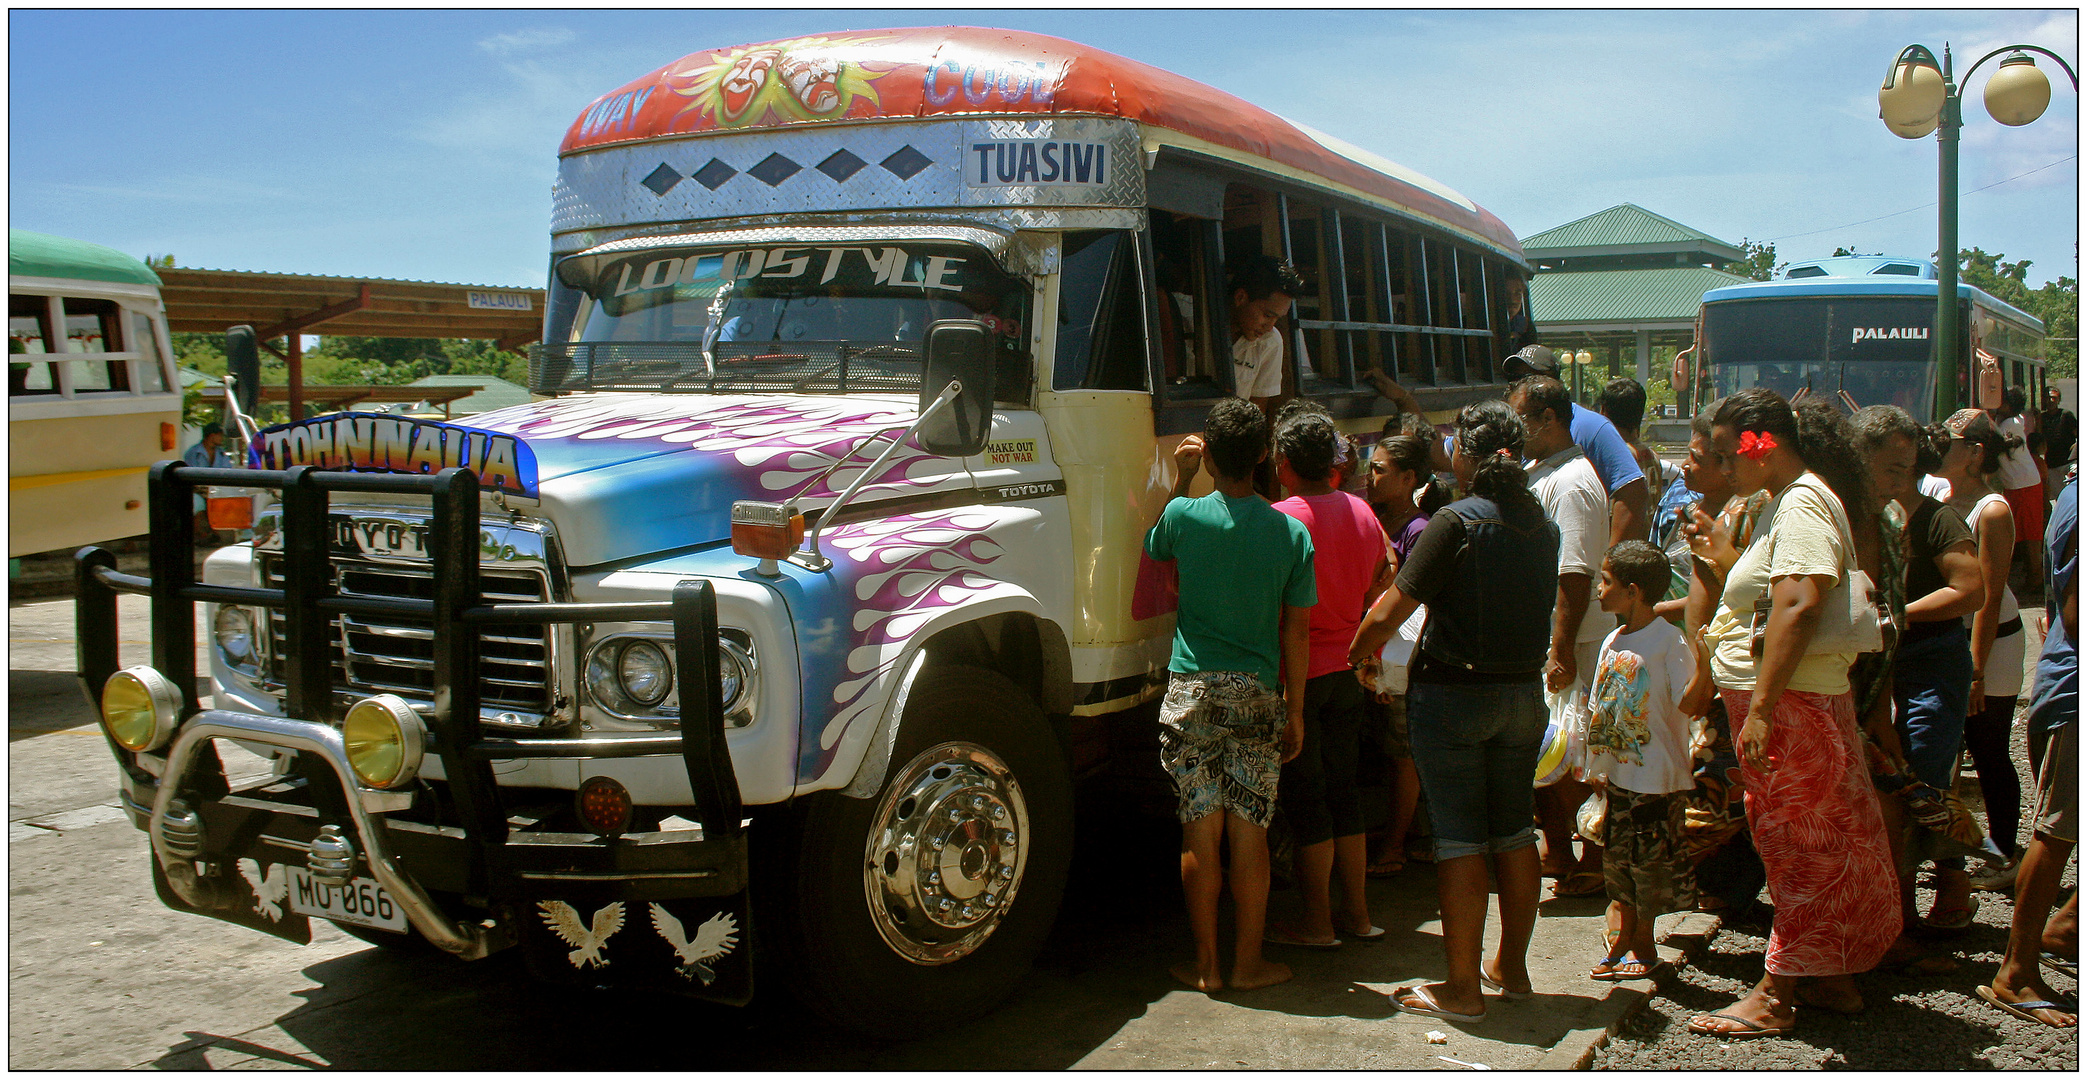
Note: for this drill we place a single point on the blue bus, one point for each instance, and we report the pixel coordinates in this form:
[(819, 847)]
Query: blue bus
[(1859, 330)]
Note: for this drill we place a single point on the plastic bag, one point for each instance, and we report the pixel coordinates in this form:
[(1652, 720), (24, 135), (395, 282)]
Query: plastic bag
[(1565, 739), (1395, 659)]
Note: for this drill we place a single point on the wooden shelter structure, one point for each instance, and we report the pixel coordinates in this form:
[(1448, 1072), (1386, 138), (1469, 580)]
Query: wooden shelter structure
[(290, 305)]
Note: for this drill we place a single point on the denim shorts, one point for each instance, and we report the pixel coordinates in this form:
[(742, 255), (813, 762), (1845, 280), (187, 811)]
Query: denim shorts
[(1931, 684), (1475, 747)]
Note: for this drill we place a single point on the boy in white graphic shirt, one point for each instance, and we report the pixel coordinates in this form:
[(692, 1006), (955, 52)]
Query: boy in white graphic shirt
[(1648, 682)]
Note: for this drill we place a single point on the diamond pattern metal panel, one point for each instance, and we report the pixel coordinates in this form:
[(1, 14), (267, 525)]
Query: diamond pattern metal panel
[(662, 179), (714, 174), (774, 169), (840, 165), (918, 164)]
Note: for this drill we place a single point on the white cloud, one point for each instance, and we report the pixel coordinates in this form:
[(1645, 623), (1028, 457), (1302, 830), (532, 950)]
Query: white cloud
[(526, 41)]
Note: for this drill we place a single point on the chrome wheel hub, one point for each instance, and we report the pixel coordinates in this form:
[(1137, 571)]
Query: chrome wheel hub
[(946, 851)]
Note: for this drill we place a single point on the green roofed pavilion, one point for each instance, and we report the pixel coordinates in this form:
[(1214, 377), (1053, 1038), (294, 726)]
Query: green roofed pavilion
[(1625, 278), (35, 254)]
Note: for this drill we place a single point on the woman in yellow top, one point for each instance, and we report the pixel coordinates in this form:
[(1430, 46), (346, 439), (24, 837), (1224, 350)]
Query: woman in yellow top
[(1809, 798)]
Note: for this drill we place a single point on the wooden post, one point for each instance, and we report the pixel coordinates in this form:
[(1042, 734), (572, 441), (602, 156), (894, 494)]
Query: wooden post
[(296, 362)]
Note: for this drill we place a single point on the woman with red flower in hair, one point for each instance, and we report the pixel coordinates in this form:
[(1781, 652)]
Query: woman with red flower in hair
[(1809, 799)]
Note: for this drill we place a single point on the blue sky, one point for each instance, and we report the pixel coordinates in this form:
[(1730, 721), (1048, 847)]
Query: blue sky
[(422, 144)]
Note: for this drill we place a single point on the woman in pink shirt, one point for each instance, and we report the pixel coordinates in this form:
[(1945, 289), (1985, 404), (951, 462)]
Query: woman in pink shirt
[(1319, 794)]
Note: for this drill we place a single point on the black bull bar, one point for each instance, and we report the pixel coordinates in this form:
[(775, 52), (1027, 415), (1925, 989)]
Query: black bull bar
[(505, 867)]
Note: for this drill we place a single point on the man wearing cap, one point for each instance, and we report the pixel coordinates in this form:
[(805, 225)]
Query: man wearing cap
[(207, 453), (1596, 436)]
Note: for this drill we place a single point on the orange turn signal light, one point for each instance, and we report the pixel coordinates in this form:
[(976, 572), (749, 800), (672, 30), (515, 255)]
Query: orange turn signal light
[(604, 806), (766, 530), (232, 512), (166, 436)]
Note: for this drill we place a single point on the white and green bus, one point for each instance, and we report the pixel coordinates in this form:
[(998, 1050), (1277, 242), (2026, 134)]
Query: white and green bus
[(92, 399)]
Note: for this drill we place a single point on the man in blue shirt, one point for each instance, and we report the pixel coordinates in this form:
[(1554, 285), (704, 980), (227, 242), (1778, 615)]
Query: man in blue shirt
[(208, 453), (2035, 937), (1629, 492)]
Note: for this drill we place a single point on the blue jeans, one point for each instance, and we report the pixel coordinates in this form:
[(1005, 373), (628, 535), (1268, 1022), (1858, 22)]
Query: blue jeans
[(1931, 685), (1475, 747)]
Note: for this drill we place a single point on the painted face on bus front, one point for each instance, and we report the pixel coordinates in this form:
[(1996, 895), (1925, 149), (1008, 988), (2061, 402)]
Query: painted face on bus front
[(1252, 318)]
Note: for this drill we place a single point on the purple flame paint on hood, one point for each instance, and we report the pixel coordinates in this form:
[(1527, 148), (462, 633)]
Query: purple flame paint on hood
[(644, 473)]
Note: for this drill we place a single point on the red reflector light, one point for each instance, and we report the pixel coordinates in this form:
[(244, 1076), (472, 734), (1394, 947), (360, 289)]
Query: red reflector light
[(604, 806), (768, 541), (236, 512)]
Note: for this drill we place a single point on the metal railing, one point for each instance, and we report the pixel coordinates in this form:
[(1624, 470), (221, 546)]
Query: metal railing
[(456, 611)]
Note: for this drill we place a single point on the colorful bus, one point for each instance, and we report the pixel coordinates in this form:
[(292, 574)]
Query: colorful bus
[(92, 398), (1859, 330), (882, 340)]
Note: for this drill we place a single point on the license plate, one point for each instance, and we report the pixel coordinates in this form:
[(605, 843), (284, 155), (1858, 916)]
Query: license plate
[(361, 901)]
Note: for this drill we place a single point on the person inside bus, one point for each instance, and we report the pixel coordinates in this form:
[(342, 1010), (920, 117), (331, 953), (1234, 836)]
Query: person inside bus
[(1262, 288), (1629, 491)]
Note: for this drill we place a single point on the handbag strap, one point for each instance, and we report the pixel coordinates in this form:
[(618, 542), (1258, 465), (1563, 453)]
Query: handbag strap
[(1840, 518)]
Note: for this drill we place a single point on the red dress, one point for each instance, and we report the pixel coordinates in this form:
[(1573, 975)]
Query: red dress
[(1821, 837)]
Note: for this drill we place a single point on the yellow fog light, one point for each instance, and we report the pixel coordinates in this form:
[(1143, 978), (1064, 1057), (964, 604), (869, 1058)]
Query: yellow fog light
[(140, 707), (383, 738)]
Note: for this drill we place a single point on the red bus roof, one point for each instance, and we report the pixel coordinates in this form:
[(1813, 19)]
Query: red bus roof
[(869, 75)]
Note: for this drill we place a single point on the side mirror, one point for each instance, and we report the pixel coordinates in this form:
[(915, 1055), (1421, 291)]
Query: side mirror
[(243, 362), (960, 350)]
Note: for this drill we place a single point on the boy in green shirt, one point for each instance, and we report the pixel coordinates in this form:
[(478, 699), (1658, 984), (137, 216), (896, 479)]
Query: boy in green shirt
[(1246, 592)]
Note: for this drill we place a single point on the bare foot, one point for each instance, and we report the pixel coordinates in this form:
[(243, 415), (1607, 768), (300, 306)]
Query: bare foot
[(1752, 1009), (1206, 981), (1257, 975)]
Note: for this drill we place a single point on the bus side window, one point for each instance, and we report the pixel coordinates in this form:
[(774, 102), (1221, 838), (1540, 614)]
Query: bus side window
[(29, 334), (1101, 326), (152, 373), (95, 325), (1180, 266)]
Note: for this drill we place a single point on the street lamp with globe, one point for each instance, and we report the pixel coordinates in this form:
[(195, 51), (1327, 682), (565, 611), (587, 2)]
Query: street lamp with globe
[(1920, 96)]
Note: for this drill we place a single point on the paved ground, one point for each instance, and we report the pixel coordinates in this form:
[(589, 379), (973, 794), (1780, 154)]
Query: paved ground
[(103, 977)]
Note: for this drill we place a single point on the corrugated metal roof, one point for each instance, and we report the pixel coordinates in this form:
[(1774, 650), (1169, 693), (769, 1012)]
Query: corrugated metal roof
[(1626, 225), (498, 392), (1623, 295)]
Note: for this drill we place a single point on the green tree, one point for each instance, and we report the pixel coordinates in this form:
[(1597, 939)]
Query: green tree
[(1759, 264), (1846, 252)]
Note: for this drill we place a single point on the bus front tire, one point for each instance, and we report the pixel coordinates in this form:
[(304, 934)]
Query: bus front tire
[(924, 905)]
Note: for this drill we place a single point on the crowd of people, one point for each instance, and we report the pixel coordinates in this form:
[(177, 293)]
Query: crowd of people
[(1761, 667)]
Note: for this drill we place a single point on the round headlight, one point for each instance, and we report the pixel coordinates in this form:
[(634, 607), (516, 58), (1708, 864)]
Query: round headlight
[(644, 674), (139, 707), (735, 665), (235, 637), (383, 738)]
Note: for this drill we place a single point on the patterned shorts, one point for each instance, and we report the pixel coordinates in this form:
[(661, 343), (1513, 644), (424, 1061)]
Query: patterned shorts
[(1641, 862), (1219, 737)]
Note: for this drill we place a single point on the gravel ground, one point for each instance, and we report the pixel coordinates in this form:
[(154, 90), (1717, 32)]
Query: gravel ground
[(1913, 1022)]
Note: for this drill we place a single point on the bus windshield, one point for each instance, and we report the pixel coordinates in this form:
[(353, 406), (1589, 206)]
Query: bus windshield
[(807, 319), (1877, 350)]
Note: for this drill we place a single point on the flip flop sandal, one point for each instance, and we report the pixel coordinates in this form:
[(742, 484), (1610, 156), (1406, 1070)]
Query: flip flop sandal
[(1747, 1028), (1584, 883), (1385, 869), (1290, 938), (1491, 983), (1427, 1006), (2069, 965), (2024, 1010), (1606, 970), (1634, 968), (1374, 933)]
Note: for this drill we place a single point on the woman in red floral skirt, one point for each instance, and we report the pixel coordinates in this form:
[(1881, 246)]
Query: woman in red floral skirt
[(1809, 799)]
